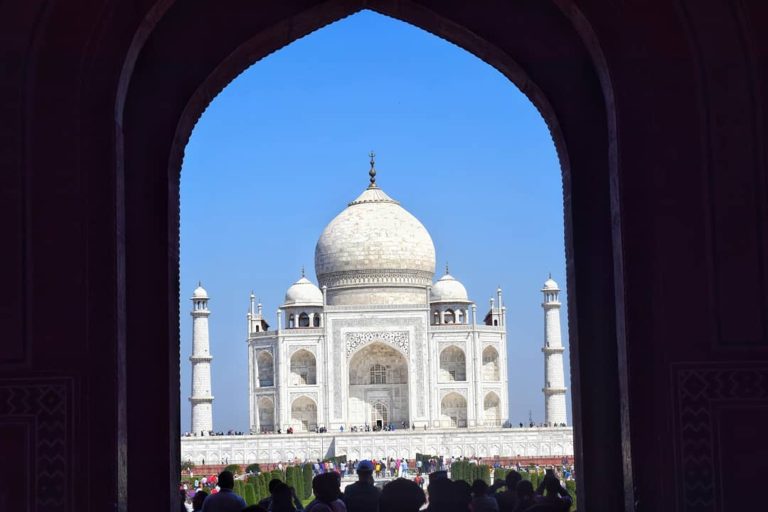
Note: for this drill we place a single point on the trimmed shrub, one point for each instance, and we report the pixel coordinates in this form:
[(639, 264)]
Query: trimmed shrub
[(250, 495), (307, 474), (276, 473), (485, 473), (253, 468), (235, 469)]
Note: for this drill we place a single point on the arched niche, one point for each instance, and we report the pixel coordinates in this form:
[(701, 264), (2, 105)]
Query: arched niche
[(265, 365), (303, 368), (490, 364), (453, 365)]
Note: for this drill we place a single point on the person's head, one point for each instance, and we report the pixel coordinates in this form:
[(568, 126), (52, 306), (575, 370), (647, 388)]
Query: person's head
[(326, 486), (479, 488), (273, 484), (524, 490), (282, 498), (462, 494), (440, 492), (365, 470), (254, 508), (197, 501), (401, 495), (551, 484), (226, 480), (511, 479)]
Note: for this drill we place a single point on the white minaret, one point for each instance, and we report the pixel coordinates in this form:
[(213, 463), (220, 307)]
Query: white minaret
[(201, 399), (554, 376)]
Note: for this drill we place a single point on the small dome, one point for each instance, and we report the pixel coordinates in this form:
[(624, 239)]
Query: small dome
[(199, 292), (448, 289), (550, 284), (303, 293)]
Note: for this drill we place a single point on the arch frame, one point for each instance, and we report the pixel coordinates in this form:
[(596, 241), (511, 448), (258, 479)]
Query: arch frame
[(576, 93)]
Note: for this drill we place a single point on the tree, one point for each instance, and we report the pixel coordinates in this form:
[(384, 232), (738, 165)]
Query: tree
[(253, 468), (187, 465)]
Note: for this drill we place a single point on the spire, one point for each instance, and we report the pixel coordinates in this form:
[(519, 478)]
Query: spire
[(372, 172), (446, 268), (302, 271)]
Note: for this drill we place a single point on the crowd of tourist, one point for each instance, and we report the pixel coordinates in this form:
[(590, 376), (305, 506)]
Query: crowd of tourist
[(512, 494), (390, 427)]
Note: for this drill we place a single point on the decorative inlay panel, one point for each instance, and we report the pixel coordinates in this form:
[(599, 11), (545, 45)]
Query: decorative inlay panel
[(697, 390), (47, 402), (355, 340)]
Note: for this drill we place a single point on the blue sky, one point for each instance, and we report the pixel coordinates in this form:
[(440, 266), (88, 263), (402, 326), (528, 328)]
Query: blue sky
[(284, 148)]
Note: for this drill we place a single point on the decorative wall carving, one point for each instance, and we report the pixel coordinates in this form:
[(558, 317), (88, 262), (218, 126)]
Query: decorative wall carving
[(355, 340), (697, 390), (48, 403)]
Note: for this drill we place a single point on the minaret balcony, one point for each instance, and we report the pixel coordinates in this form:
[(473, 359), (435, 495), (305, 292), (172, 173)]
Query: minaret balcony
[(200, 399), (201, 359), (552, 390), (553, 350)]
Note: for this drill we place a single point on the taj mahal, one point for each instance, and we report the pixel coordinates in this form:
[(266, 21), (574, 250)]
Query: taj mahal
[(378, 358)]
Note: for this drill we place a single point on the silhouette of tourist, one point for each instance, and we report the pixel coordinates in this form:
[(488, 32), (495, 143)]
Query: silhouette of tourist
[(273, 486), (556, 499), (401, 495), (524, 491), (481, 501), (327, 489), (197, 501), (508, 499), (362, 496), (284, 499), (225, 500)]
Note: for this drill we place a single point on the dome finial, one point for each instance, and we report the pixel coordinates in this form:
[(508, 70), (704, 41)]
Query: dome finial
[(302, 271), (446, 268), (372, 172)]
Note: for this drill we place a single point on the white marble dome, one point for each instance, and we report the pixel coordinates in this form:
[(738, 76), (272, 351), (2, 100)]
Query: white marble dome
[(448, 289), (303, 293), (375, 243), (550, 284), (199, 292)]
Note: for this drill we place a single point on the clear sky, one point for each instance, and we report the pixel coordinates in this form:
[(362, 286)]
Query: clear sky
[(284, 148)]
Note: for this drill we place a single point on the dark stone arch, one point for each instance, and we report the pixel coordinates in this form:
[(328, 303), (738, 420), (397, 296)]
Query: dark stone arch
[(195, 49)]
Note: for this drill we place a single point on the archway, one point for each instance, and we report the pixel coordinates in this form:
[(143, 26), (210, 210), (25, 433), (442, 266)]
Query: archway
[(266, 409), (378, 386), (453, 365), (490, 364), (156, 108), (492, 410), (266, 368), (453, 411), (303, 368), (304, 414)]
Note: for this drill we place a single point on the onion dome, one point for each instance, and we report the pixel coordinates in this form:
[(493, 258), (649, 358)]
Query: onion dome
[(550, 285), (448, 289), (303, 293), (371, 246), (199, 292)]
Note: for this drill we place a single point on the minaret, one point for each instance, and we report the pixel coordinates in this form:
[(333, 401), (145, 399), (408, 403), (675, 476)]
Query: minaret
[(201, 399), (554, 376)]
